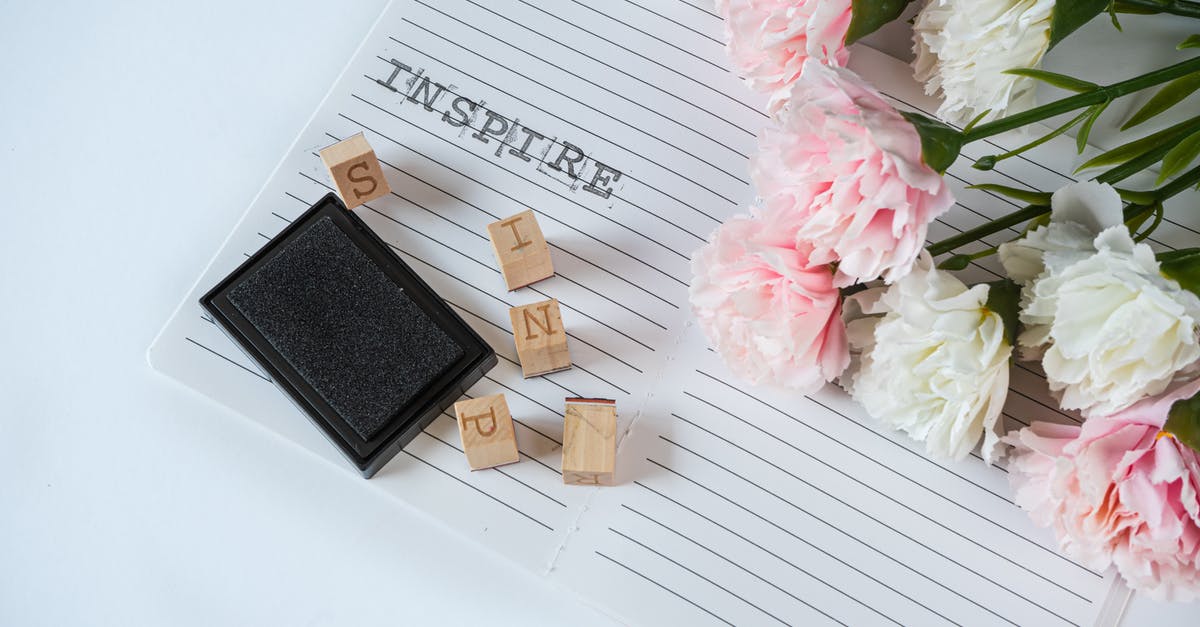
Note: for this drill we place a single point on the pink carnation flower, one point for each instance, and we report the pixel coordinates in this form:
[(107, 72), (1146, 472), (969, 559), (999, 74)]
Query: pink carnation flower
[(849, 164), (1116, 492), (769, 40), (773, 316)]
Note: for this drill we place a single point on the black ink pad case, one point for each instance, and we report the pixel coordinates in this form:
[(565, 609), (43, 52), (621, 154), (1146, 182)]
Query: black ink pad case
[(350, 333)]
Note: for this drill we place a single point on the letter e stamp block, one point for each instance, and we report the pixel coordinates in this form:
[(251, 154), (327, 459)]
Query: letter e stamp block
[(589, 441)]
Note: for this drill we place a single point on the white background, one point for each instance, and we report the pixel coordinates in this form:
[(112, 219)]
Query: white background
[(132, 136)]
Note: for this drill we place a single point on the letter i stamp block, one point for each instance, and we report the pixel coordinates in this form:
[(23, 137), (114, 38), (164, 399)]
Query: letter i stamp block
[(486, 428), (521, 250), (355, 170)]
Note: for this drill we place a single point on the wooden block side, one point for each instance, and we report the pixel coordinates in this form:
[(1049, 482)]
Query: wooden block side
[(521, 250), (486, 429), (355, 171), (589, 444), (540, 337)]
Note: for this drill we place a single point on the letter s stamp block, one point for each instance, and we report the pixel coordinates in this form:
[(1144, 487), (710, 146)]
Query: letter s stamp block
[(355, 170)]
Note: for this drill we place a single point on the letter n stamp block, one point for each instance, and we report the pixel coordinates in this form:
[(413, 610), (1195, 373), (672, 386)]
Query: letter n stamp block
[(355, 170), (521, 250), (540, 337), (486, 428)]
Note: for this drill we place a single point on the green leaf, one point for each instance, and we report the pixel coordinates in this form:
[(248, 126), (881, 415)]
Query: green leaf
[(1029, 196), (1069, 83), (1136, 215), (1137, 197), (1183, 422), (1183, 266), (1170, 95), (940, 142), (1138, 147), (867, 16), (1192, 41), (1180, 157), (1085, 131), (956, 262), (1069, 15), (976, 120), (1155, 210), (1004, 298)]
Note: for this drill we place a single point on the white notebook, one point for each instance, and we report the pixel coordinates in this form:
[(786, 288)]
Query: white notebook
[(734, 504)]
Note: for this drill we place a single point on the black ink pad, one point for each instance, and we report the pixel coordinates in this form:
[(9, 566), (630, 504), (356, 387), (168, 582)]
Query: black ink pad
[(350, 333)]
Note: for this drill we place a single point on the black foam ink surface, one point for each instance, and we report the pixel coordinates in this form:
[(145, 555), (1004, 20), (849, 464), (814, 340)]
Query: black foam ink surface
[(342, 324)]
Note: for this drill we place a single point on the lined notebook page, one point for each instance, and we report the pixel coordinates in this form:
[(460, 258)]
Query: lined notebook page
[(623, 130)]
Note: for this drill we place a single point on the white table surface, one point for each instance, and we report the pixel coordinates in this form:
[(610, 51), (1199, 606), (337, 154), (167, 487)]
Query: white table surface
[(131, 138)]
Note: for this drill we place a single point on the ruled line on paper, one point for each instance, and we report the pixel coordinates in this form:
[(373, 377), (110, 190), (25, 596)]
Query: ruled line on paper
[(833, 527), (735, 564), (760, 547), (718, 66), (796, 537), (680, 596), (702, 34), (702, 577), (616, 69), (860, 454), (475, 488), (858, 481), (675, 71)]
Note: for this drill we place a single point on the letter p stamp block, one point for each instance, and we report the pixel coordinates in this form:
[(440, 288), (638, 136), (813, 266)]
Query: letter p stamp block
[(486, 428)]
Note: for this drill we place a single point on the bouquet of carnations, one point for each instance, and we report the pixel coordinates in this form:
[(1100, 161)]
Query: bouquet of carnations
[(830, 277)]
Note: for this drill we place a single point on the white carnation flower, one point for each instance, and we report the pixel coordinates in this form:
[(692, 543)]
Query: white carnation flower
[(1079, 212), (934, 364), (963, 48), (1109, 327)]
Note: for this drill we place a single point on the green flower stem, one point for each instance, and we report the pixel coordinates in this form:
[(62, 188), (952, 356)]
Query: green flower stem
[(999, 224), (1180, 184), (1081, 100), (1172, 7), (1113, 176)]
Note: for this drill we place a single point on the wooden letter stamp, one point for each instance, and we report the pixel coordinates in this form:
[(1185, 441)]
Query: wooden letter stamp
[(486, 428), (541, 338), (589, 441), (355, 170), (521, 250)]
